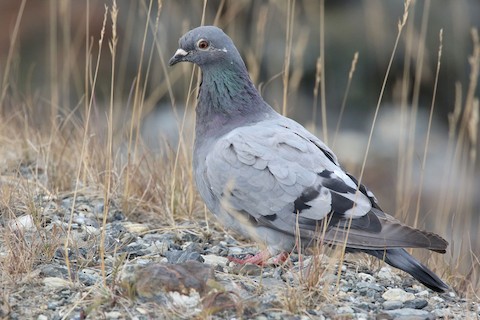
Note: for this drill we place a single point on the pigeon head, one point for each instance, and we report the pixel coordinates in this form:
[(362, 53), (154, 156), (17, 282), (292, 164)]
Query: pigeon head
[(227, 97), (206, 46)]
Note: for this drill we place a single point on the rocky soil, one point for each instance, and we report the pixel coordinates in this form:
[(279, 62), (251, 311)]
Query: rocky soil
[(51, 262)]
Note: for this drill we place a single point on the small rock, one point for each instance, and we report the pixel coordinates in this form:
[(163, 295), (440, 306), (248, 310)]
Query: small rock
[(386, 273), (113, 315), (397, 294), (158, 247), (215, 260), (52, 305), (367, 285), (91, 230), (22, 224), (408, 313), (235, 251), (247, 269), (423, 294), (89, 277), (157, 277), (366, 277), (180, 256), (392, 305), (445, 313), (55, 283), (42, 317), (366, 306), (416, 303), (136, 227), (345, 310), (190, 301), (53, 270), (361, 316)]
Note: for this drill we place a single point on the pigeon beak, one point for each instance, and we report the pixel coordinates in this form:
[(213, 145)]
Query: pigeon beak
[(179, 56)]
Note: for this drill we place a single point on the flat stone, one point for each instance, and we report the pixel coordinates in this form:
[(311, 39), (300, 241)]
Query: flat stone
[(416, 303), (409, 313), (366, 277), (443, 313), (155, 278), (387, 274), (392, 305), (55, 283), (423, 294), (135, 227), (215, 260), (22, 224), (180, 256), (113, 315), (345, 310), (397, 294)]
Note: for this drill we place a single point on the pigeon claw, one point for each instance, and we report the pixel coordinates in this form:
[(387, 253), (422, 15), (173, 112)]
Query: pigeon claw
[(261, 258)]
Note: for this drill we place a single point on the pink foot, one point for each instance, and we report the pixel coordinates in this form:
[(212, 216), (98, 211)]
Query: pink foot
[(260, 258)]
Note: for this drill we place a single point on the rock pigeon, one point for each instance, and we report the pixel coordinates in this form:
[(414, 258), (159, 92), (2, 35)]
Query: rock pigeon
[(266, 177)]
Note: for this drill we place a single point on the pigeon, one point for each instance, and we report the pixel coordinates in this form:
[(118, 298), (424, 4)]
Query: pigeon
[(269, 179)]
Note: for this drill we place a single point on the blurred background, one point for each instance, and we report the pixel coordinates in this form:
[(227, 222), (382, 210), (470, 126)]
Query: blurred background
[(48, 59)]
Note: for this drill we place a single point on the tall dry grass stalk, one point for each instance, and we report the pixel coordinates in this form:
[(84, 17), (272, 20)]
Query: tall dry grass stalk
[(321, 70), (81, 165), (136, 113), (109, 156), (429, 128), (408, 158), (11, 51), (288, 53), (345, 96)]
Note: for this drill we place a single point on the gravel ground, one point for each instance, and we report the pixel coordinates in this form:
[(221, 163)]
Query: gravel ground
[(154, 271)]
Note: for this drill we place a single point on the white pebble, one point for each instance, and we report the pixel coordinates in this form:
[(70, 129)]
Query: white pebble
[(397, 295), (423, 294), (345, 310), (54, 282), (366, 277), (215, 260), (22, 224)]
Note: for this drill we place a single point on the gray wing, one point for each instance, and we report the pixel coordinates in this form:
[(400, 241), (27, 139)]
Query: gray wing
[(276, 174)]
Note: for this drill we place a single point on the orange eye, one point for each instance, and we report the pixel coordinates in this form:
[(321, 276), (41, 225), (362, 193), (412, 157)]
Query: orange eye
[(203, 44)]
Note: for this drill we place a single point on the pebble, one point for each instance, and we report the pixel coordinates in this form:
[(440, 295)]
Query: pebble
[(445, 313), (409, 313), (179, 256), (190, 301), (215, 260), (416, 303), (423, 294), (55, 283), (392, 305), (398, 295), (345, 310), (386, 274), (135, 227), (235, 250), (113, 315), (366, 277), (22, 224)]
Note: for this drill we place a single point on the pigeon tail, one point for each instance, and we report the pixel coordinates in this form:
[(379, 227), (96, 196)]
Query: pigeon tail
[(401, 259)]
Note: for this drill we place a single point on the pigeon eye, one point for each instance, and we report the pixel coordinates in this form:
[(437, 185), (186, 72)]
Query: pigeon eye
[(203, 44)]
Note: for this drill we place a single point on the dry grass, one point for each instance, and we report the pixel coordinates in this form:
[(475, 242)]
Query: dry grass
[(54, 142)]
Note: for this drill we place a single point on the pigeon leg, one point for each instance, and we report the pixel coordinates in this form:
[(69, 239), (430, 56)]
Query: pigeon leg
[(260, 258)]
